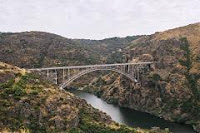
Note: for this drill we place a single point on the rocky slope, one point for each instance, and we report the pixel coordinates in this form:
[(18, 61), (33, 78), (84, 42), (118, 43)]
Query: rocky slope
[(40, 49), (28, 103), (170, 91)]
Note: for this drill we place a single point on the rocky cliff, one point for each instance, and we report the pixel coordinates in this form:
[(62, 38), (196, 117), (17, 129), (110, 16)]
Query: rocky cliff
[(170, 91)]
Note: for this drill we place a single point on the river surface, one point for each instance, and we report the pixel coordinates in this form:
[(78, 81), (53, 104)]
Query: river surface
[(131, 117)]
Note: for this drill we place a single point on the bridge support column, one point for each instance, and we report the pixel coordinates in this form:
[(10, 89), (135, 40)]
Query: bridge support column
[(128, 69), (56, 77), (123, 68), (131, 71), (68, 73), (47, 73), (138, 74), (63, 75)]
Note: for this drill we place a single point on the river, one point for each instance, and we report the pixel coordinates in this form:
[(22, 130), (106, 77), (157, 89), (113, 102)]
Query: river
[(131, 117)]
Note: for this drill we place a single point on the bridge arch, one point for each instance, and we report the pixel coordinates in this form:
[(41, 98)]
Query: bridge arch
[(84, 72)]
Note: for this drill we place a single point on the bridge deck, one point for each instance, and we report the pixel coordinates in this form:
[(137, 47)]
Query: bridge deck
[(88, 66)]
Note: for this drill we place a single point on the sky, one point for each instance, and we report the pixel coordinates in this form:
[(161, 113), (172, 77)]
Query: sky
[(97, 19)]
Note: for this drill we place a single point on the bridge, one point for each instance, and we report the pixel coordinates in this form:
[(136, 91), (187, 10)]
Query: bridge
[(63, 76)]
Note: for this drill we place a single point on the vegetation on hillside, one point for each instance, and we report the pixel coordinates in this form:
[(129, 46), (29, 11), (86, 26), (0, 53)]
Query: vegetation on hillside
[(29, 103), (187, 63), (40, 49), (172, 89)]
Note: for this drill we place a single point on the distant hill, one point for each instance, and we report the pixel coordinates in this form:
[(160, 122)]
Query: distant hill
[(166, 45), (40, 49)]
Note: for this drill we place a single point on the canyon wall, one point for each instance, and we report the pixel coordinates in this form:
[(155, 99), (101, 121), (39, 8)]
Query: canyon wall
[(172, 89)]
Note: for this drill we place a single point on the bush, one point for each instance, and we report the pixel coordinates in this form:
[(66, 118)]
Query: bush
[(7, 85), (99, 93), (100, 82), (156, 77)]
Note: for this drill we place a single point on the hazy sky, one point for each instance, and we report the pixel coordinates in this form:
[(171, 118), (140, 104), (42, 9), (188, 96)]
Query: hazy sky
[(96, 19)]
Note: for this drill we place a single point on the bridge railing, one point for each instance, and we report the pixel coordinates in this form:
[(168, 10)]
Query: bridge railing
[(87, 66)]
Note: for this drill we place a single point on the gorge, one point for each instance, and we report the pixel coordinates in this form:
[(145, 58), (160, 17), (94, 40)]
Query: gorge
[(131, 117), (170, 91)]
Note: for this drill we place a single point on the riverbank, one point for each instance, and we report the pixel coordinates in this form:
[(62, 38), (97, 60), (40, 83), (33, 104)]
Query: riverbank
[(162, 113), (131, 117)]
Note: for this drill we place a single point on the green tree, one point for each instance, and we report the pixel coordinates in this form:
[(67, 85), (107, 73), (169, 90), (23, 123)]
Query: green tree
[(187, 62), (155, 78)]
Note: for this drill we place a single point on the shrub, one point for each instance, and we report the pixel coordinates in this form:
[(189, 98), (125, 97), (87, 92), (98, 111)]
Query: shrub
[(187, 62), (7, 85)]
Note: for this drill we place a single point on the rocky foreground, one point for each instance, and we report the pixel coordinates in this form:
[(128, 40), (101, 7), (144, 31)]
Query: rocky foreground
[(28, 103)]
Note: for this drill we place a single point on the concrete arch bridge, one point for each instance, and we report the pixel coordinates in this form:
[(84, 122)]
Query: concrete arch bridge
[(63, 76)]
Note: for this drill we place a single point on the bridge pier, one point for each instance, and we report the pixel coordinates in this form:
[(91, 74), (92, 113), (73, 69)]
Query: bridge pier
[(47, 73), (63, 76), (70, 73), (56, 77)]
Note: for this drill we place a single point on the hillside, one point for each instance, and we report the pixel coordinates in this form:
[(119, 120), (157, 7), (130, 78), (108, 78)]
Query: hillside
[(40, 49), (169, 37), (172, 90), (28, 103)]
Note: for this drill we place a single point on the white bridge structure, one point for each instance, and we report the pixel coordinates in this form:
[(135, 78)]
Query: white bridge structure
[(63, 76)]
